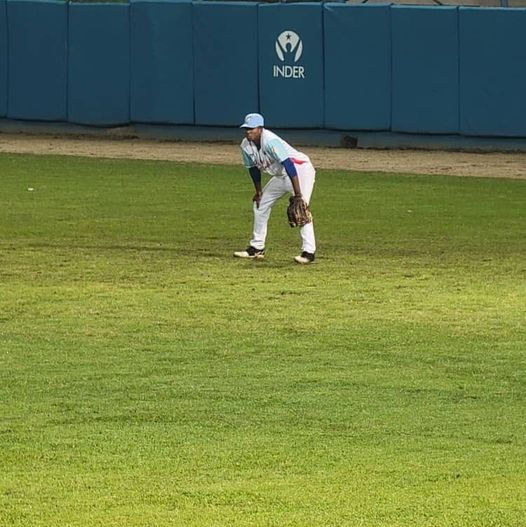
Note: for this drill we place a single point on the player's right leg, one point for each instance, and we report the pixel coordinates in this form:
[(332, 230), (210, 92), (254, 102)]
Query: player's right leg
[(272, 191)]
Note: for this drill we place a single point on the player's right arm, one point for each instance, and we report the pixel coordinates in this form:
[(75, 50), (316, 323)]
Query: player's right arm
[(255, 174)]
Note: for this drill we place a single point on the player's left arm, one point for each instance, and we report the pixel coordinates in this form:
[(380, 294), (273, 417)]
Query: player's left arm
[(280, 154), (290, 168)]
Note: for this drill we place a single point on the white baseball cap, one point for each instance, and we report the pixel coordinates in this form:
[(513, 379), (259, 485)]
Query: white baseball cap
[(253, 120)]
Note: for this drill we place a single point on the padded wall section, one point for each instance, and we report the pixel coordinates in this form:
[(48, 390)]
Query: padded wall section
[(3, 58), (225, 62), (99, 64), (291, 65), (162, 68), (37, 72), (493, 72), (357, 67), (425, 69)]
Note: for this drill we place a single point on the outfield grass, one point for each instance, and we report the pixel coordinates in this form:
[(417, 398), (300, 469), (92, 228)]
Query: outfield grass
[(149, 379)]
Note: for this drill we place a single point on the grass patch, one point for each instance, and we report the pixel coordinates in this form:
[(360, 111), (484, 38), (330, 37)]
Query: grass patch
[(150, 379)]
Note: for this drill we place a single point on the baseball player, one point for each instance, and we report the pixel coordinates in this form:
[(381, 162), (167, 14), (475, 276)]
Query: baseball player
[(291, 171)]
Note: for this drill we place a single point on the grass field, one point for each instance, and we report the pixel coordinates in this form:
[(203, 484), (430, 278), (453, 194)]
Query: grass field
[(150, 379)]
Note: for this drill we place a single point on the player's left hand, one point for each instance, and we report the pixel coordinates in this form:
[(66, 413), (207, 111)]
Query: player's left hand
[(298, 212)]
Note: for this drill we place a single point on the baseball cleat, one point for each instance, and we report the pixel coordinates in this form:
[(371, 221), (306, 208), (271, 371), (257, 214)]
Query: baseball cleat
[(304, 258), (251, 252)]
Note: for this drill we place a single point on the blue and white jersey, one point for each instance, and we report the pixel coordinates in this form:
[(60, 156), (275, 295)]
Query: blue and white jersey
[(272, 153)]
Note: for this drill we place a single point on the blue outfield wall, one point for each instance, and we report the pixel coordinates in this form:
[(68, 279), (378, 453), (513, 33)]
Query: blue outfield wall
[(423, 70), (291, 65), (99, 64), (493, 72), (3, 58), (37, 69), (162, 63), (225, 62), (357, 67)]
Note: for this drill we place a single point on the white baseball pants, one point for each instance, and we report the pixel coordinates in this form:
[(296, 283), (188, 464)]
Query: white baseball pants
[(277, 187)]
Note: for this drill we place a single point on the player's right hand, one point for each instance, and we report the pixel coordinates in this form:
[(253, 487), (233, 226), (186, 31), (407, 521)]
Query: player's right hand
[(256, 199)]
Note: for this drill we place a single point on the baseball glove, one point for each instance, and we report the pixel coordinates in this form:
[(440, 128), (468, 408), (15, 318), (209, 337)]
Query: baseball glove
[(298, 212)]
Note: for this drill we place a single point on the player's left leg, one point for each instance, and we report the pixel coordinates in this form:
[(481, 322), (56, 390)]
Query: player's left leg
[(307, 177)]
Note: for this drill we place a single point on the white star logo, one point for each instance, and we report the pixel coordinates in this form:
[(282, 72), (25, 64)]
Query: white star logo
[(289, 43)]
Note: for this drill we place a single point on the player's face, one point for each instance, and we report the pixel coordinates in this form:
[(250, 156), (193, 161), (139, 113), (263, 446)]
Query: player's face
[(254, 134)]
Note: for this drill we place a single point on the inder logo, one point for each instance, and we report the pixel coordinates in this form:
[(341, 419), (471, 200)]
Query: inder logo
[(289, 48)]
